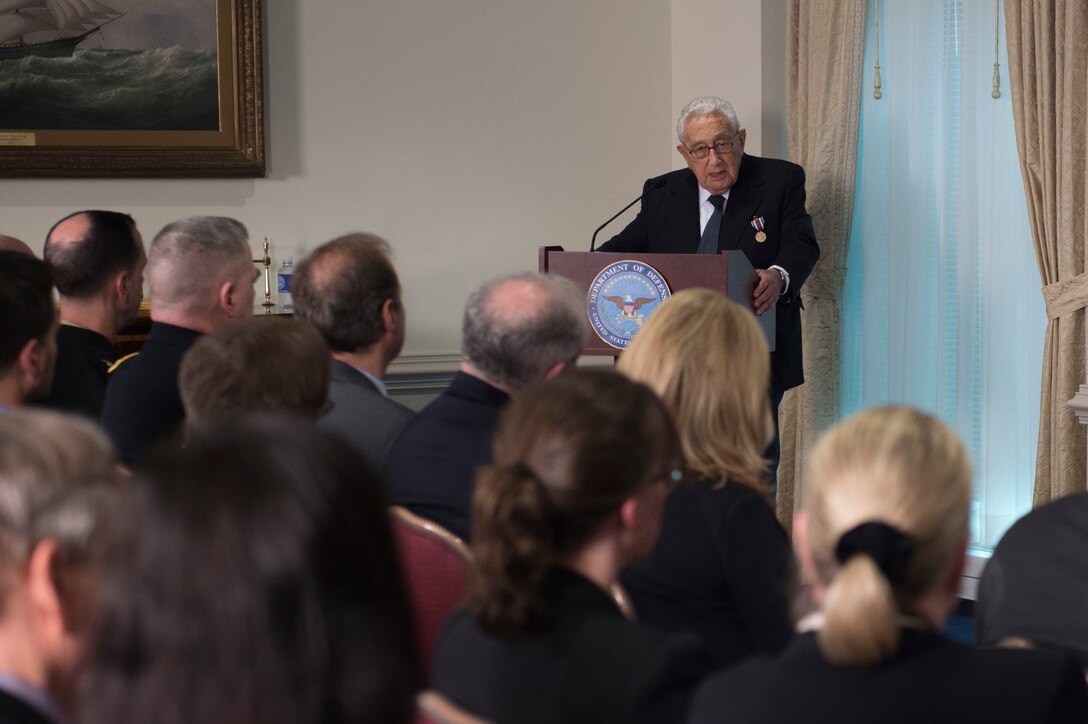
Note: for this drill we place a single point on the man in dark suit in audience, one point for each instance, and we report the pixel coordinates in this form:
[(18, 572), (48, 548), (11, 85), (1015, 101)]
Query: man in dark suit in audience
[(28, 329), (516, 330), (201, 277), (349, 290), (97, 259), (1034, 590), (726, 199)]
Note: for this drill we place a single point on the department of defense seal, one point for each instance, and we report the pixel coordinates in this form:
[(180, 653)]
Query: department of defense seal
[(621, 297)]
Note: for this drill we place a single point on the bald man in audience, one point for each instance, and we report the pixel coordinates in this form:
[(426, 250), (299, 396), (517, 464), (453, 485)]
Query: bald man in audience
[(201, 276), (28, 329), (10, 243), (349, 290), (97, 259), (516, 330), (57, 478)]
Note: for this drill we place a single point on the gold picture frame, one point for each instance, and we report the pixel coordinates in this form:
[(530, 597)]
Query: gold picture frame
[(236, 149)]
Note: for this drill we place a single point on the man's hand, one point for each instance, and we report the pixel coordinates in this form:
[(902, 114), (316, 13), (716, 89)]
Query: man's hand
[(767, 291)]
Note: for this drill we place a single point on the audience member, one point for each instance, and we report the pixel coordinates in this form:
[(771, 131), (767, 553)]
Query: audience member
[(28, 329), (516, 330), (10, 243), (201, 277), (261, 364), (348, 289), (581, 468), (883, 538), (252, 578), (723, 566), (56, 475), (1034, 590), (97, 259)]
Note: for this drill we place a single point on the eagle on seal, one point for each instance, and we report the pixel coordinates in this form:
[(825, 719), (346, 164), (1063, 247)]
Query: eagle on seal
[(629, 306)]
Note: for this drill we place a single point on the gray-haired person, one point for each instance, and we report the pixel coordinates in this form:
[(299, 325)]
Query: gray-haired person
[(727, 199), (57, 477), (516, 330), (201, 276)]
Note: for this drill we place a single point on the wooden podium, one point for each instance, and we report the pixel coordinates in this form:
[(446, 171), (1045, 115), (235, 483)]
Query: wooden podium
[(729, 272)]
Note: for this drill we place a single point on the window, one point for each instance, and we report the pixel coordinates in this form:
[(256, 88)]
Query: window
[(942, 307)]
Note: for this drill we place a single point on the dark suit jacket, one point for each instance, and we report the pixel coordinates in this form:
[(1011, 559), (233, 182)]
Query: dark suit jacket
[(1035, 585), (79, 381), (14, 710), (587, 664), (931, 679), (361, 414), (722, 568), (143, 405), (432, 466), (768, 188)]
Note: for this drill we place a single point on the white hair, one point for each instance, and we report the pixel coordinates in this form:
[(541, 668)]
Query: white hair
[(706, 106)]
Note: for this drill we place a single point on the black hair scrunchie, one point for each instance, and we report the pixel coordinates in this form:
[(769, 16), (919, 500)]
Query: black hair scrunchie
[(890, 548)]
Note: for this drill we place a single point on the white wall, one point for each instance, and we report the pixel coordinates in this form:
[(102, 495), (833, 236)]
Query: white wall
[(773, 35), (717, 51), (467, 133)]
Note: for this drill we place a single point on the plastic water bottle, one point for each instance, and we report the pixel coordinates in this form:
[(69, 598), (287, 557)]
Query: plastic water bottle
[(283, 284)]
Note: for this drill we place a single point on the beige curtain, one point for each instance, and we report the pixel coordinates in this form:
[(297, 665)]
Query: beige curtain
[(1048, 74), (825, 52)]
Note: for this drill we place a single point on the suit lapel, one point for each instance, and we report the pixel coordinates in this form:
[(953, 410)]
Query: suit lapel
[(685, 205), (743, 203)]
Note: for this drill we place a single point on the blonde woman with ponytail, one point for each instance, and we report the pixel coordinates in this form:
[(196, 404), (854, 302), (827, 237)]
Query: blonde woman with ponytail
[(882, 537), (579, 476)]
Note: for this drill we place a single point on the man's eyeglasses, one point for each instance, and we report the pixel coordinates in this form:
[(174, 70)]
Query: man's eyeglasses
[(722, 148)]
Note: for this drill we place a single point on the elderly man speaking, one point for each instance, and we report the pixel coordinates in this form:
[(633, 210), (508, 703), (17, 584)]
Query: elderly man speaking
[(726, 199)]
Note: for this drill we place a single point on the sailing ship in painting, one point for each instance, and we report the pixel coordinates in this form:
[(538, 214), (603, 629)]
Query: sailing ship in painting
[(49, 28), (50, 80)]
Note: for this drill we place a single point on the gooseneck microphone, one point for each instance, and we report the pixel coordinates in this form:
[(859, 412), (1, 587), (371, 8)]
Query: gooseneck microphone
[(593, 242)]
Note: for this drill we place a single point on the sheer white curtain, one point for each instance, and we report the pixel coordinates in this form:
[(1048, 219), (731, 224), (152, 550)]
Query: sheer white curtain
[(942, 307)]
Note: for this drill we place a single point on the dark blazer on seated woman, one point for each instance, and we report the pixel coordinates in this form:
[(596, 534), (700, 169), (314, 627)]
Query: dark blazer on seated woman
[(586, 664), (930, 679), (722, 567)]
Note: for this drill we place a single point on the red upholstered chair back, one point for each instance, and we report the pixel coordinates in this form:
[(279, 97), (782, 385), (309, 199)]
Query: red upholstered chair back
[(435, 564)]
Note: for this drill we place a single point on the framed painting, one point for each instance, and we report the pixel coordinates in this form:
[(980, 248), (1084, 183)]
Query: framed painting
[(131, 88)]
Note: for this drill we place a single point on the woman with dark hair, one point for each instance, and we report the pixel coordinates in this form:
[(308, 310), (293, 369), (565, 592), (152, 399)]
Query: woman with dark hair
[(581, 468), (883, 538), (252, 579), (723, 566)]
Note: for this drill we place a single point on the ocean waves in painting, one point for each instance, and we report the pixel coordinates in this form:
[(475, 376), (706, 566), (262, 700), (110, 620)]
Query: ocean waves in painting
[(164, 89)]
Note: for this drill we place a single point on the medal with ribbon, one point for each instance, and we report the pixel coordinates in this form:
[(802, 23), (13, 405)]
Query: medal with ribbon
[(758, 225)]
